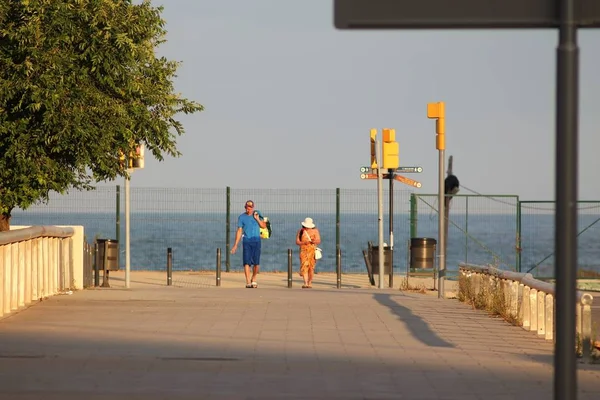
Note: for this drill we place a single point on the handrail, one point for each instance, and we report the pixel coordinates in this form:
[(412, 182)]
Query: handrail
[(19, 235)]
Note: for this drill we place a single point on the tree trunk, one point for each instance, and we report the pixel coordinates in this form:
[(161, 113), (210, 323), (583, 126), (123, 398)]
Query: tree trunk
[(4, 222)]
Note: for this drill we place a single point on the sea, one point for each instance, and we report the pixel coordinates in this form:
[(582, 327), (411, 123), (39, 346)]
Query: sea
[(196, 238)]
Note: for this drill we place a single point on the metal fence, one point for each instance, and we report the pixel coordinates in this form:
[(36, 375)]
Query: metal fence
[(495, 229), (537, 227), (481, 228)]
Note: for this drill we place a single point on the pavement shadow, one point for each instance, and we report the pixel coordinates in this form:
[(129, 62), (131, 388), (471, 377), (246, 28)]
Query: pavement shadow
[(418, 328)]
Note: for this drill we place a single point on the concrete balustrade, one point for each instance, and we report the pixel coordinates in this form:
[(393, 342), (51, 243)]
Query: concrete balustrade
[(37, 262), (523, 300)]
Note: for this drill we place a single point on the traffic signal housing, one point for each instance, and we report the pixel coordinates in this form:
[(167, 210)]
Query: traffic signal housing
[(390, 149), (136, 157), (373, 148), (437, 110)]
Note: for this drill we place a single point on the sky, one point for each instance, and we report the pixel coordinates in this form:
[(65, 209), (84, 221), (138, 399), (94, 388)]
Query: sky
[(289, 101)]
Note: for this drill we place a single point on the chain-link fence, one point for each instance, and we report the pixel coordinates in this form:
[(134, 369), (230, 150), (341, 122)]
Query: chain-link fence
[(195, 222), (537, 238), (482, 229)]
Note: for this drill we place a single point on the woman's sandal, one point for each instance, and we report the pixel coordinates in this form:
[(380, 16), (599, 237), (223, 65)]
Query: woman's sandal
[(304, 286)]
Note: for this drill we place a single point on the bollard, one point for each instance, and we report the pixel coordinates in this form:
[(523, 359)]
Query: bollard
[(289, 268), (105, 274), (338, 267), (218, 267), (96, 267), (169, 266)]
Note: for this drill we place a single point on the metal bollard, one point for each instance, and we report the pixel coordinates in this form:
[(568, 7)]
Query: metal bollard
[(289, 268), (169, 266), (105, 274), (96, 266), (218, 267), (338, 267)]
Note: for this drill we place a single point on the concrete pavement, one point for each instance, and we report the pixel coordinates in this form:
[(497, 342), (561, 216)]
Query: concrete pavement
[(196, 341)]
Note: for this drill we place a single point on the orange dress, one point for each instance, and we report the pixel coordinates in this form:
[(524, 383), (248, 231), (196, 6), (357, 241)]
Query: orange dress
[(307, 252)]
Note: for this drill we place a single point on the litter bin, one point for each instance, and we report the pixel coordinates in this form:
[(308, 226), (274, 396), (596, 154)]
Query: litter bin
[(112, 254), (422, 253), (387, 259)]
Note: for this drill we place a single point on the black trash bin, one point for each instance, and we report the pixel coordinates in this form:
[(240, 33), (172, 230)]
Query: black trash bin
[(112, 254), (387, 259), (422, 253)]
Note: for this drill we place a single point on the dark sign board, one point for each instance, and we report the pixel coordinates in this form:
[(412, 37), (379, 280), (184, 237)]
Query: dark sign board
[(445, 14)]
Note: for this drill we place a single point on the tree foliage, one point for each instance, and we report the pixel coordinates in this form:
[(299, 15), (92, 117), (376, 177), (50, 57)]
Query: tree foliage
[(80, 81)]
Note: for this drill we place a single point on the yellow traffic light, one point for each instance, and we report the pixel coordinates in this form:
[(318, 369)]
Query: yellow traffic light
[(121, 159), (389, 135), (136, 158), (373, 149), (390, 150), (438, 111)]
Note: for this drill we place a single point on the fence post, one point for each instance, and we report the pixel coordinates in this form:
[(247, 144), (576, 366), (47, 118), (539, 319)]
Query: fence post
[(169, 266)]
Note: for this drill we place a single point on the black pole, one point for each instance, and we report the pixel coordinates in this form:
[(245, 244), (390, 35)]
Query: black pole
[(105, 265), (96, 266), (565, 236), (218, 267), (338, 267), (227, 229), (290, 268), (169, 266), (391, 211)]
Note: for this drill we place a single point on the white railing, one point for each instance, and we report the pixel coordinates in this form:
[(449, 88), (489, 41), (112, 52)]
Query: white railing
[(525, 301), (36, 262)]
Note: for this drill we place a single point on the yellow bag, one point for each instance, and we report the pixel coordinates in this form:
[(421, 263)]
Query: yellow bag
[(265, 233)]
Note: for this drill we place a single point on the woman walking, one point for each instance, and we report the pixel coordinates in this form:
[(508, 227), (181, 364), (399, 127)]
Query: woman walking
[(308, 238)]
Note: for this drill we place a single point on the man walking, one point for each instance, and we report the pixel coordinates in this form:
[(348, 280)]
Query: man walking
[(249, 224)]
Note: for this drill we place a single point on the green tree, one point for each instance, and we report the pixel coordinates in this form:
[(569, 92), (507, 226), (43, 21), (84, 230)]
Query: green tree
[(80, 82)]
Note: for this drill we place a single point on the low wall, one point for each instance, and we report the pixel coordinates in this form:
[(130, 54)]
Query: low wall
[(37, 262), (523, 300)]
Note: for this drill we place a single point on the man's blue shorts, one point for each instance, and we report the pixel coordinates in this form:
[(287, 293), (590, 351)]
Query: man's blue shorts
[(251, 250)]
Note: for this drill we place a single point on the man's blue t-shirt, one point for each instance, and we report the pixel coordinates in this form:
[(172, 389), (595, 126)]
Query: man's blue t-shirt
[(249, 226)]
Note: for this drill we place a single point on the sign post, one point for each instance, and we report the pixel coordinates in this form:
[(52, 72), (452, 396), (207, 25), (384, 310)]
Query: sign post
[(567, 16)]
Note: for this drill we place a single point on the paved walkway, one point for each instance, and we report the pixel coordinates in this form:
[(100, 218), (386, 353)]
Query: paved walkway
[(201, 342)]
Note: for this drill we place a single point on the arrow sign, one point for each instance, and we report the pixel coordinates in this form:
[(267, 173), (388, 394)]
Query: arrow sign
[(368, 176), (407, 181), (409, 169)]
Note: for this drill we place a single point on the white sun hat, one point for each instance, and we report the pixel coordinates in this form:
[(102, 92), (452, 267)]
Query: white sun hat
[(308, 223)]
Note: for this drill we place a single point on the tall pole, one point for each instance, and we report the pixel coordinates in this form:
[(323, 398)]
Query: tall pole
[(437, 111), (441, 230), (565, 236), (127, 243), (447, 207), (380, 212), (391, 222)]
